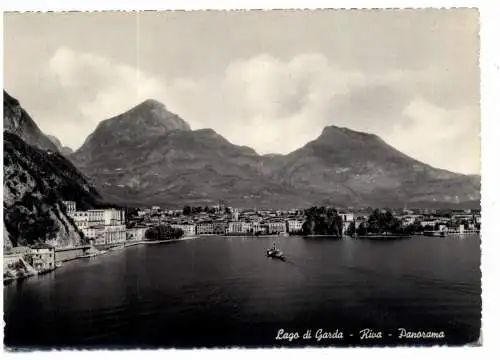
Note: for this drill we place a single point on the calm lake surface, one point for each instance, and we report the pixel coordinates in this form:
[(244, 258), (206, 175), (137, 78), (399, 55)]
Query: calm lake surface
[(223, 291)]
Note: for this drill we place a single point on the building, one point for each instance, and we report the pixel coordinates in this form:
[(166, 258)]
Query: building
[(259, 228), (107, 216), (82, 224), (70, 207), (95, 234), (108, 235), (142, 213), (294, 225), (115, 234), (205, 228), (409, 219), (239, 227), (82, 216), (347, 217), (187, 229), (428, 223), (43, 257), (220, 227), (276, 227), (99, 217)]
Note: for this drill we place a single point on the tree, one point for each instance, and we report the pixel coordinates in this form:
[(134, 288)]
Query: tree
[(307, 228), (382, 222), (351, 230), (187, 210), (163, 232), (362, 229), (322, 221)]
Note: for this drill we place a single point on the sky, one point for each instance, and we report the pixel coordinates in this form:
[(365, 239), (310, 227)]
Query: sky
[(271, 80)]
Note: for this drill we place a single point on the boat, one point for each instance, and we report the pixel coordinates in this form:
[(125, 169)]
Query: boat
[(275, 252)]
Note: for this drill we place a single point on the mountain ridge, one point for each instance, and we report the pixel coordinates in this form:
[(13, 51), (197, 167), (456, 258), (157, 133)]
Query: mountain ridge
[(341, 165)]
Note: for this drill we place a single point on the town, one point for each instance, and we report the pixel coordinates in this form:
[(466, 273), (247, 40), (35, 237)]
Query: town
[(114, 228), (110, 227)]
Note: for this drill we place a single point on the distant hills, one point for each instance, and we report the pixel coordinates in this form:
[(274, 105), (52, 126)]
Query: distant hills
[(37, 178), (150, 156), (64, 150)]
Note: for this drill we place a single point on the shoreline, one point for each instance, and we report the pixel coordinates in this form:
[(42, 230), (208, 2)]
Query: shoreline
[(165, 241), (195, 237)]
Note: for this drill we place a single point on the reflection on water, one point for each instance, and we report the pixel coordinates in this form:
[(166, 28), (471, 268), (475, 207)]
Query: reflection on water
[(224, 291)]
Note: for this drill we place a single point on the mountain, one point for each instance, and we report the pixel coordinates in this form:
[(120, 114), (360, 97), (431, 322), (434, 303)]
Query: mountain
[(362, 169), (17, 121), (36, 181), (137, 160), (148, 120), (149, 156), (64, 150)]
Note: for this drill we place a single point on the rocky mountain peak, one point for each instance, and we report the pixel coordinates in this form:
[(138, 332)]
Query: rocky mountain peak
[(151, 113), (148, 120)]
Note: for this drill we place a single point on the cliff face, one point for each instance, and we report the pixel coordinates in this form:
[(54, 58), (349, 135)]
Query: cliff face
[(17, 121), (36, 181)]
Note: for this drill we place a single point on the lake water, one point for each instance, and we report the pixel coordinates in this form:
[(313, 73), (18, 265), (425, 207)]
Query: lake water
[(223, 291)]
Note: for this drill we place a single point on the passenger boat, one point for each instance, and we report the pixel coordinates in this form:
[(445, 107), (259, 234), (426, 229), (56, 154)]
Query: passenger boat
[(275, 252)]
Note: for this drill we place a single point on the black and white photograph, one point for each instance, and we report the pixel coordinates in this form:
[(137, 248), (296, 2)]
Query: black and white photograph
[(242, 178)]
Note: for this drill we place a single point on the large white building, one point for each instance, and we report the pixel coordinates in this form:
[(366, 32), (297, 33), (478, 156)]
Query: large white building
[(240, 227), (110, 235), (106, 217), (294, 225), (276, 227), (96, 217), (103, 226)]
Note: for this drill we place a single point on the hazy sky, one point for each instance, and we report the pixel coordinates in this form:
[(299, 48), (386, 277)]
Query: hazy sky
[(267, 79)]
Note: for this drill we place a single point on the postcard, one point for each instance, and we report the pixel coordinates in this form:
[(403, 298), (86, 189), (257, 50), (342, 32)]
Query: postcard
[(251, 179)]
